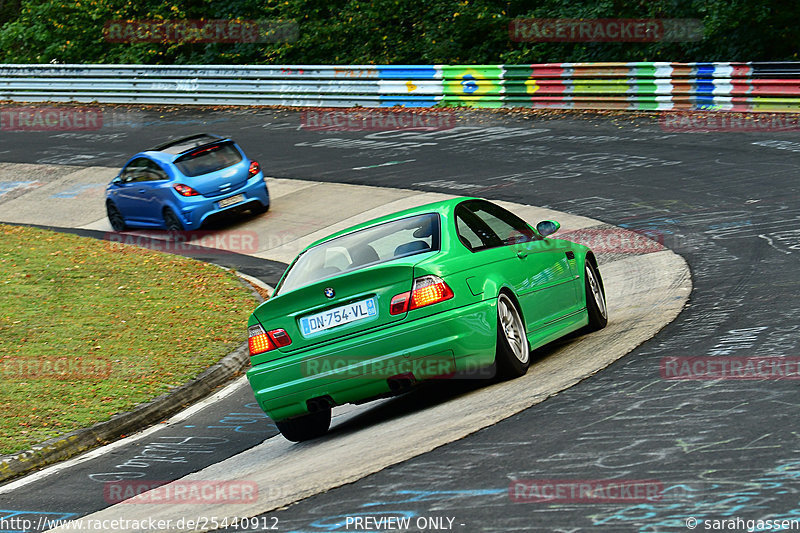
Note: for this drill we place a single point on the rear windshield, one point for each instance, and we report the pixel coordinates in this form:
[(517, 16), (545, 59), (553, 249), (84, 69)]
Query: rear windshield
[(208, 159), (362, 248)]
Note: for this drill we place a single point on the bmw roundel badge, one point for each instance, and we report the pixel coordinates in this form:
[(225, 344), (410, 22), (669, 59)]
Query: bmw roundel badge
[(329, 292)]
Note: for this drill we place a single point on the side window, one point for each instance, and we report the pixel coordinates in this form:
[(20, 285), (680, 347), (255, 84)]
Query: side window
[(473, 232), (155, 171), (483, 225), (136, 170), (509, 230), (468, 236)]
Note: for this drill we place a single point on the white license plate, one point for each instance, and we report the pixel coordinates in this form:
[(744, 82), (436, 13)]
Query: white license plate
[(338, 316), (230, 201)]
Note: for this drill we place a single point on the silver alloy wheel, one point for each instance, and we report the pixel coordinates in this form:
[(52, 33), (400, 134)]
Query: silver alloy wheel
[(513, 329), (597, 292)]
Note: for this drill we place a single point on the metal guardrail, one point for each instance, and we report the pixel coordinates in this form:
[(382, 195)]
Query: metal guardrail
[(631, 86)]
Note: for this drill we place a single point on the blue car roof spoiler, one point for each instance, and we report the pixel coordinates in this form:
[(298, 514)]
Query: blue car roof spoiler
[(186, 144)]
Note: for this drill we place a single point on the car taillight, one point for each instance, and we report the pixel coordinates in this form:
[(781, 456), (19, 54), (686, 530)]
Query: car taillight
[(427, 290), (254, 168), (185, 190), (399, 304), (260, 341), (280, 338)]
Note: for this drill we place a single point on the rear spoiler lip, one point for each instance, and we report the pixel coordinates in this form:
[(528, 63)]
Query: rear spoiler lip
[(187, 153), (217, 138)]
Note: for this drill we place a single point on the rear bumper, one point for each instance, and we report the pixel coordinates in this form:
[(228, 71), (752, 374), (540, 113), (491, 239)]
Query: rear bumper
[(360, 368), (194, 210)]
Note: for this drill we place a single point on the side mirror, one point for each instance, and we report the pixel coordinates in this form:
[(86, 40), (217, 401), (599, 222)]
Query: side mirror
[(116, 181), (547, 227)]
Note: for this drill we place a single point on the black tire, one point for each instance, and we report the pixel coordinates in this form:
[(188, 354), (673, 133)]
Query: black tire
[(595, 299), (513, 355), (305, 427), (171, 220), (115, 217), (259, 208)]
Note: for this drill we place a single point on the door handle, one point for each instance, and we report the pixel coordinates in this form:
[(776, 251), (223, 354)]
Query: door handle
[(522, 254), (141, 190)]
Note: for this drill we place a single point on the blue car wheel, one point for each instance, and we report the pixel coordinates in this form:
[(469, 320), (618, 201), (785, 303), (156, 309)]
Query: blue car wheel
[(115, 217), (171, 220)]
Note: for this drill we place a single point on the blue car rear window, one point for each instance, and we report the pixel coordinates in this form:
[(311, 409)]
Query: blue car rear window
[(208, 159)]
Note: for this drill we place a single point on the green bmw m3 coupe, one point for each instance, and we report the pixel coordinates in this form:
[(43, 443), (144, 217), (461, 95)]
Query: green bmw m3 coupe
[(435, 291)]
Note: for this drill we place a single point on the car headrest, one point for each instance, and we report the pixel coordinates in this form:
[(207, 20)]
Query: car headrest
[(363, 255), (410, 247), (426, 230)]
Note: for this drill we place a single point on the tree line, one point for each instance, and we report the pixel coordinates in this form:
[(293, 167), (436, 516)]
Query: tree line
[(382, 31)]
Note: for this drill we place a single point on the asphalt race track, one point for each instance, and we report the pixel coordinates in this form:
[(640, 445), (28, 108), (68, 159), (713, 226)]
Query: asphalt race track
[(648, 286), (726, 202)]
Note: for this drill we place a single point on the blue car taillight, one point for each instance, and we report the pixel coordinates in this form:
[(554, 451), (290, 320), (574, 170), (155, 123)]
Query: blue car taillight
[(185, 190)]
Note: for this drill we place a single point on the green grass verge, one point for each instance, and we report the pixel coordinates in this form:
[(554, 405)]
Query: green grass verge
[(89, 328)]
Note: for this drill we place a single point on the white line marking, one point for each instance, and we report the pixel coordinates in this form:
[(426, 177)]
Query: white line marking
[(387, 164), (98, 452)]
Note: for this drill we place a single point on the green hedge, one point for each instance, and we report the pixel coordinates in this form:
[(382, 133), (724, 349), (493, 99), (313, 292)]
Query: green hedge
[(394, 31)]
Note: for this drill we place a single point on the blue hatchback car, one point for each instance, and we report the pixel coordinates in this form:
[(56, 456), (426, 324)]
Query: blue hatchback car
[(184, 183)]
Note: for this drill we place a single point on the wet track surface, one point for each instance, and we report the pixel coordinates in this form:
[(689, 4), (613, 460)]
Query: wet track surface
[(727, 202)]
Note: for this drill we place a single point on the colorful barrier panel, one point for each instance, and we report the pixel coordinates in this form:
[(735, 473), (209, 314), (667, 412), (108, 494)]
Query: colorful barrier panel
[(760, 87)]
